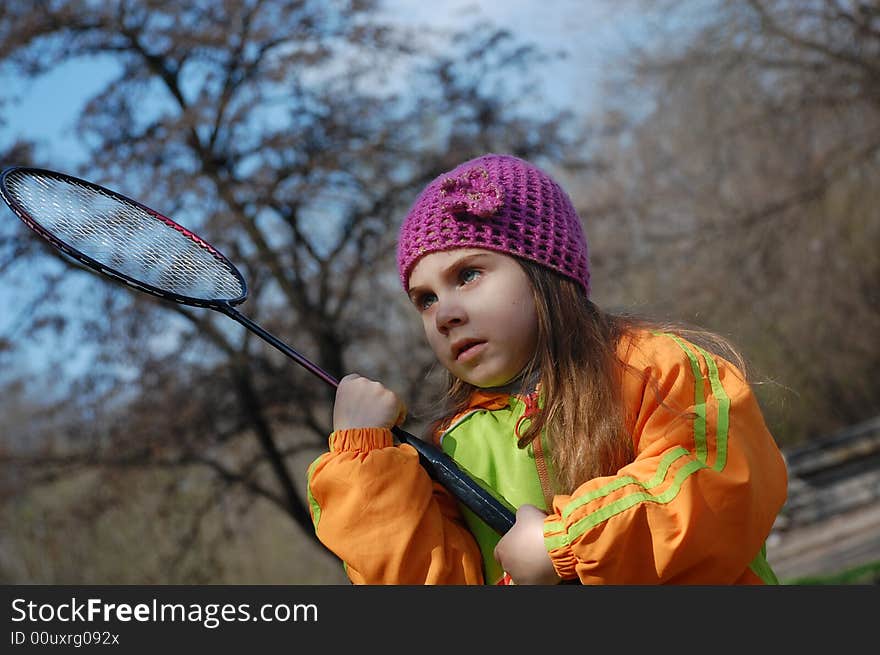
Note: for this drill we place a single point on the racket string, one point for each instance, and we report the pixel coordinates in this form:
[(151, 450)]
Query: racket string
[(125, 237)]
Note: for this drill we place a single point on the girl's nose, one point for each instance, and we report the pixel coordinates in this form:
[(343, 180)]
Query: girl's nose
[(449, 314)]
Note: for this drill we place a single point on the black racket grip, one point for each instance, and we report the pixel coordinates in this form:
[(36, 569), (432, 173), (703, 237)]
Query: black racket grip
[(444, 470)]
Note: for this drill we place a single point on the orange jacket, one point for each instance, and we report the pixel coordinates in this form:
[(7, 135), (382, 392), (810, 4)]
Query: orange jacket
[(693, 507)]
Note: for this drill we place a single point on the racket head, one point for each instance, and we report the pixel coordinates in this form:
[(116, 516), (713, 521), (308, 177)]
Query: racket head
[(121, 238)]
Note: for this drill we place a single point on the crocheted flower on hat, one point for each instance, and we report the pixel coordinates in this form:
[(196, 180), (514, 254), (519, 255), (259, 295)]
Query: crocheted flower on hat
[(471, 192)]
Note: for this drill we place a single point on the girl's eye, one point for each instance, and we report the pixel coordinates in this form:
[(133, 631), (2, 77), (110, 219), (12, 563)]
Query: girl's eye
[(424, 301), (469, 275)]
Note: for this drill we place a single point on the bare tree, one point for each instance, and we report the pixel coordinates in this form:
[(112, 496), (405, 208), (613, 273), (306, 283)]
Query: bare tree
[(290, 134)]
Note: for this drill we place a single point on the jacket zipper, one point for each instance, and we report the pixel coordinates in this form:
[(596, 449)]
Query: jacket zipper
[(532, 408)]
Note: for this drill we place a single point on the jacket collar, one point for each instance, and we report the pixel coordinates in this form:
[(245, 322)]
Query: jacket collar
[(498, 399), (483, 399)]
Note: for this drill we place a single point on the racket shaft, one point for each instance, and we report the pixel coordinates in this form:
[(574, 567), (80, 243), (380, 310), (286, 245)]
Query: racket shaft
[(280, 345)]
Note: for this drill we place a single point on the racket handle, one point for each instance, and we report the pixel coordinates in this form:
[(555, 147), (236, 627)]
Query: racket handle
[(466, 490)]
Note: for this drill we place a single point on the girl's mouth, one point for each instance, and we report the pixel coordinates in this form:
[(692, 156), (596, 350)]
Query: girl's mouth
[(468, 350)]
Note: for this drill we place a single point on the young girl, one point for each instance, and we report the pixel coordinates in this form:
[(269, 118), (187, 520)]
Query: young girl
[(633, 454)]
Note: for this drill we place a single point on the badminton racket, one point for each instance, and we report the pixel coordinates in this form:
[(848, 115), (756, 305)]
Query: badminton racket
[(133, 244)]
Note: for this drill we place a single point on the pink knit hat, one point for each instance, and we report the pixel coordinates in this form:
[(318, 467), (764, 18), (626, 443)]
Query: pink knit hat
[(501, 203)]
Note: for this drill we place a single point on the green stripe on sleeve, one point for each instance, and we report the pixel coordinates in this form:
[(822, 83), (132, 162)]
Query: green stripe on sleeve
[(659, 475), (699, 400), (603, 514), (556, 541), (722, 426)]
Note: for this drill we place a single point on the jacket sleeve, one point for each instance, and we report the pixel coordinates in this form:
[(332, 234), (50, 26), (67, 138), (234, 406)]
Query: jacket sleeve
[(377, 509), (698, 501)]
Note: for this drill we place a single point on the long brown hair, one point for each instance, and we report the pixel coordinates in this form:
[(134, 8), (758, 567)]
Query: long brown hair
[(580, 373)]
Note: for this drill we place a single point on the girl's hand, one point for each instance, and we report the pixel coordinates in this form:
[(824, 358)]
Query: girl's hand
[(364, 403), (521, 552)]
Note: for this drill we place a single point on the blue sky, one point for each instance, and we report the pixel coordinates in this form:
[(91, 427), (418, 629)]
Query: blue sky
[(591, 32), (45, 109)]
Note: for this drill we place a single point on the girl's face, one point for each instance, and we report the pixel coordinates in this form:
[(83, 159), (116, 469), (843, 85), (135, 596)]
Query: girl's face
[(478, 312)]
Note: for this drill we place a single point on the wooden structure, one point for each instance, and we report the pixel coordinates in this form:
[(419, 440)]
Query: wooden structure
[(831, 519)]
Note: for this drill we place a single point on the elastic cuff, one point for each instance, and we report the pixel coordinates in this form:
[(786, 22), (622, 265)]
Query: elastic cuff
[(558, 548), (360, 439), (565, 564)]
